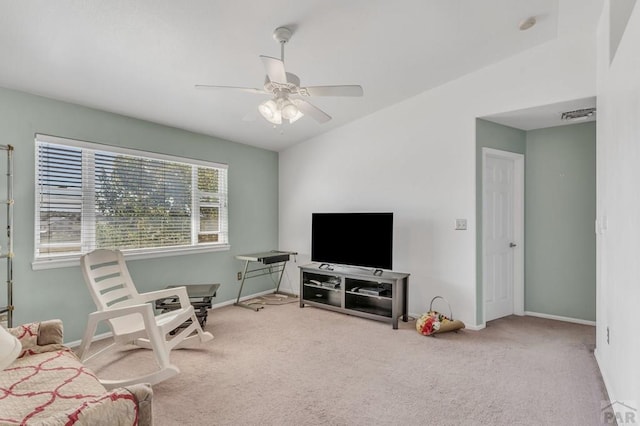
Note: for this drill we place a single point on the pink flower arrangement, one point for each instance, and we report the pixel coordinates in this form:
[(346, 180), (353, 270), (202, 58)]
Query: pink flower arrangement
[(430, 322)]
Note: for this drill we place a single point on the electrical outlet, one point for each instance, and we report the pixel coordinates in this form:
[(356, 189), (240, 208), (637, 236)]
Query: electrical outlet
[(461, 224), (239, 276)]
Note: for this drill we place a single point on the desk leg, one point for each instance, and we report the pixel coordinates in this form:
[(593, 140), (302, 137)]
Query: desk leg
[(245, 305), (284, 293), (284, 264)]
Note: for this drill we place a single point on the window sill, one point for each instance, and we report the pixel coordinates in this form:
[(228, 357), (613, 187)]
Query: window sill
[(65, 262)]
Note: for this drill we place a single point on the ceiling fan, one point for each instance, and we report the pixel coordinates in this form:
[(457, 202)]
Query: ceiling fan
[(287, 101)]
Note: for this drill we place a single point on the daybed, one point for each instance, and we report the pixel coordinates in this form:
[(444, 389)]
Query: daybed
[(48, 385)]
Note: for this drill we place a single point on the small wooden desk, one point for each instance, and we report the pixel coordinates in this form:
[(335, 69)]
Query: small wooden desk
[(272, 262)]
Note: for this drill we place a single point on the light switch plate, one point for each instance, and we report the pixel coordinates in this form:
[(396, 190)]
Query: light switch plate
[(461, 224)]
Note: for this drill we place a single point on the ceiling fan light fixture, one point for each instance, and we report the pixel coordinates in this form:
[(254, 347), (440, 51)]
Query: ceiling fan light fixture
[(281, 84), (275, 110), (296, 117), (288, 109), (270, 111)]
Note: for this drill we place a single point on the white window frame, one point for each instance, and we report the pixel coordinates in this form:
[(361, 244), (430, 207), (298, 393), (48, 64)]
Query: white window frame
[(60, 261)]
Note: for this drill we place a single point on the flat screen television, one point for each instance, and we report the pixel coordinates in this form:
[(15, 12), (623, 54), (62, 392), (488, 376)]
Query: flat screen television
[(357, 239)]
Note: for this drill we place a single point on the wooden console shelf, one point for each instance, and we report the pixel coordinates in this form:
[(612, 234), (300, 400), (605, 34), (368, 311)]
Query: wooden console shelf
[(356, 291)]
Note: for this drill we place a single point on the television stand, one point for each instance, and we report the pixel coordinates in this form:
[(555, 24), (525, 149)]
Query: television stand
[(380, 296)]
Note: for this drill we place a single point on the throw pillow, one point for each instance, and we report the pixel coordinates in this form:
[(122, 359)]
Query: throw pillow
[(28, 336)]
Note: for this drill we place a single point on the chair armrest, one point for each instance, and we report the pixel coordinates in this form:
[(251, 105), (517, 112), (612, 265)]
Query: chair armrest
[(140, 308), (171, 292), (144, 309)]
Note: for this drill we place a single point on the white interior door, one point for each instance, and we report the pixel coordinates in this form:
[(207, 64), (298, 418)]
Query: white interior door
[(503, 271)]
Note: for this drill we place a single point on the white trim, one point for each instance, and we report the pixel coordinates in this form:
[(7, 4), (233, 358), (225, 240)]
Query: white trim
[(62, 260), (475, 327), (518, 225), (560, 318), (127, 151), (605, 378), (96, 338), (67, 261), (242, 299)]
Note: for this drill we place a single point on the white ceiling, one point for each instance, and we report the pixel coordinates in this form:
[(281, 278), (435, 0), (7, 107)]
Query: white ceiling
[(541, 117), (142, 58)]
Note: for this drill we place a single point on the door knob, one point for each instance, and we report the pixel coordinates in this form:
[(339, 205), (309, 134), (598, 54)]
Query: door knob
[(512, 245)]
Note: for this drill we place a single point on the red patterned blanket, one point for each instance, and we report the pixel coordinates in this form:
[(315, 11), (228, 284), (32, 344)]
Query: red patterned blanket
[(54, 388)]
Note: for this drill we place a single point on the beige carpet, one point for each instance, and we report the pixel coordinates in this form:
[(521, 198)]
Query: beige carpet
[(290, 366)]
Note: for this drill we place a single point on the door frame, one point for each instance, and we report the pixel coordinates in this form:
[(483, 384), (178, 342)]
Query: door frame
[(518, 227)]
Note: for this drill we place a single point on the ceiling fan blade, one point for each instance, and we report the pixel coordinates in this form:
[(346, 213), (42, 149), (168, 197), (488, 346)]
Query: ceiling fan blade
[(250, 117), (350, 90), (275, 69), (312, 111), (244, 89)]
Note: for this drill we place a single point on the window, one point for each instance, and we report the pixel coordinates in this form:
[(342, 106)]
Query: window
[(91, 196)]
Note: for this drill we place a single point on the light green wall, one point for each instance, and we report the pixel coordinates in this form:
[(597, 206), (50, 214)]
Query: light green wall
[(496, 136), (560, 196), (560, 211), (61, 293)]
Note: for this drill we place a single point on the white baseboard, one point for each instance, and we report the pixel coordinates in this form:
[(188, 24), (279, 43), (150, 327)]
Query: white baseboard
[(242, 299), (96, 338), (560, 318), (475, 327)]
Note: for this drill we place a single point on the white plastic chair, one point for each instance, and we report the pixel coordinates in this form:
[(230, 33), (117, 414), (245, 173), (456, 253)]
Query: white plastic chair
[(132, 318)]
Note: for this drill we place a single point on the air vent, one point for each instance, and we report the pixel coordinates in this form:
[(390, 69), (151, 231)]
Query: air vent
[(579, 114)]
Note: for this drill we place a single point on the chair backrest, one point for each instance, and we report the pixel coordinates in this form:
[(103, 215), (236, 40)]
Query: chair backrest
[(108, 279)]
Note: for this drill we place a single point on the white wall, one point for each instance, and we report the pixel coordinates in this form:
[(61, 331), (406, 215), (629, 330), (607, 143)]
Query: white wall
[(618, 211), (417, 159)]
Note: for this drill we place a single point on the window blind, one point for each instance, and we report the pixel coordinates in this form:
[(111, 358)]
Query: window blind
[(93, 196)]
